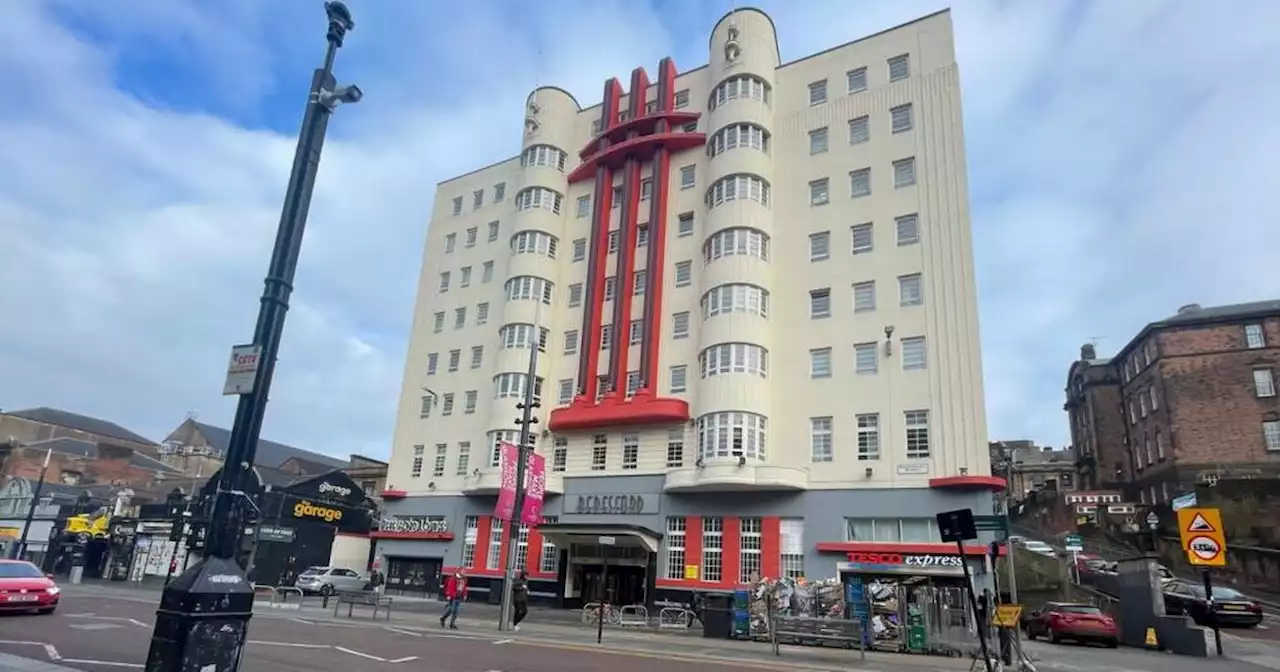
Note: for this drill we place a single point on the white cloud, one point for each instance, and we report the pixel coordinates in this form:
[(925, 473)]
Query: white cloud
[(1117, 151)]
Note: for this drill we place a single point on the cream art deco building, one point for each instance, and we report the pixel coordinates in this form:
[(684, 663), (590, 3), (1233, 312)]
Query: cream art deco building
[(752, 286)]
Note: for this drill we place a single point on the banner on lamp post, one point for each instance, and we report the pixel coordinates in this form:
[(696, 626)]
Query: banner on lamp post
[(535, 486), (506, 506)]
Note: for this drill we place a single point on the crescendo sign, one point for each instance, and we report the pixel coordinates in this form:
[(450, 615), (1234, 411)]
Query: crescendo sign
[(614, 504)]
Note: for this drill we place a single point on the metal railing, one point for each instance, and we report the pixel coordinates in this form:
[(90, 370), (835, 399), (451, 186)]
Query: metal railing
[(279, 596)]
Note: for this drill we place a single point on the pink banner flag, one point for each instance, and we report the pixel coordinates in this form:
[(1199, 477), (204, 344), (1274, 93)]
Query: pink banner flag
[(535, 485), (506, 506)]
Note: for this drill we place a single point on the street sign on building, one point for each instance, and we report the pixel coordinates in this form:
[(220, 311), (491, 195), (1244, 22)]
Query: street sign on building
[(1203, 537), (1074, 543)]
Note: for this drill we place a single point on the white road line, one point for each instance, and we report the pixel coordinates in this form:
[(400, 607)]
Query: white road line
[(52, 652), (290, 644), (138, 623), (504, 641), (359, 653), (301, 620), (403, 660), (403, 632), (103, 662)]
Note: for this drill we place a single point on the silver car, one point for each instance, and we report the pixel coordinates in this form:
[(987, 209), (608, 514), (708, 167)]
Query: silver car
[(329, 580)]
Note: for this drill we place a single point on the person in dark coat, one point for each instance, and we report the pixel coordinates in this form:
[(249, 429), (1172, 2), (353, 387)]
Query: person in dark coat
[(520, 598)]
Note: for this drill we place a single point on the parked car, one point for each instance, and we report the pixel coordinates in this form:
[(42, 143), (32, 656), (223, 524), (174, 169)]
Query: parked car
[(1039, 547), (329, 580), (23, 587), (1083, 623), (1231, 607)]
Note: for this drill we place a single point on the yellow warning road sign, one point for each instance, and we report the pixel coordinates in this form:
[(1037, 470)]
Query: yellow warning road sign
[(1152, 641), (1203, 538), (1007, 616)]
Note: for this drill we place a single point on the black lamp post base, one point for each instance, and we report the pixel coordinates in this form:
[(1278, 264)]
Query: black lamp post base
[(202, 620)]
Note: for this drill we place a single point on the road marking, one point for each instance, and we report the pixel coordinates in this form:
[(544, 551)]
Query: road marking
[(359, 653), (94, 626), (52, 652), (138, 623), (403, 660), (301, 620), (403, 632), (103, 662), (504, 641), (84, 615), (294, 645)]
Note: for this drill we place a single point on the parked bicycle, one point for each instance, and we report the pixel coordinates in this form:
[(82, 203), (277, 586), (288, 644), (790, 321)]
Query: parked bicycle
[(591, 614)]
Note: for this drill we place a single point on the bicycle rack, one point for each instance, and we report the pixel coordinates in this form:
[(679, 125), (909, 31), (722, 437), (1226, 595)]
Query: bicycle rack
[(674, 617), (269, 592), (283, 593), (633, 615)]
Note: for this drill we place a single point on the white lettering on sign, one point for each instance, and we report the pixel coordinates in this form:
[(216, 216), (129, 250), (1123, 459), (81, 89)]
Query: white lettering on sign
[(413, 524), (329, 488), (224, 578)]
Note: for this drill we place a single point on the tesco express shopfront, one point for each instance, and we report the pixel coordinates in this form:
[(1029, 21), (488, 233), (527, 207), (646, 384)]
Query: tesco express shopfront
[(667, 546)]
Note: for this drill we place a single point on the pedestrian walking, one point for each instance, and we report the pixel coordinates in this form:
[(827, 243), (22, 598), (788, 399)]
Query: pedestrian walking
[(520, 598), (455, 591)]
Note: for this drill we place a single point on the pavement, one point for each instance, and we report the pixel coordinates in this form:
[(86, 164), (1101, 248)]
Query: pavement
[(98, 629)]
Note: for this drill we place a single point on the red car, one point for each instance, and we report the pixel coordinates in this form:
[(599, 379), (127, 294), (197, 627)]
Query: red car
[(24, 587), (1082, 623)]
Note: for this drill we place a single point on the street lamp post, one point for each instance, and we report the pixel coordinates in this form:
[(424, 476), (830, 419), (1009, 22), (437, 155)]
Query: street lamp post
[(526, 421), (21, 547), (203, 617)]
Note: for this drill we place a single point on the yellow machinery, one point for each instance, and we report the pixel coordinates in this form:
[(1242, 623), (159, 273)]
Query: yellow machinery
[(94, 525)]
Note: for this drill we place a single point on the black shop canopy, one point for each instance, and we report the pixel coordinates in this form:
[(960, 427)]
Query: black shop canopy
[(563, 535), (331, 499)]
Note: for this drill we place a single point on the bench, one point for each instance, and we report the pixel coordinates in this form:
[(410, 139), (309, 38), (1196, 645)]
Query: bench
[(812, 630), (364, 598)]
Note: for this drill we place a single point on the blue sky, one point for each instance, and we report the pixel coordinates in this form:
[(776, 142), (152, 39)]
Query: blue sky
[(1119, 158)]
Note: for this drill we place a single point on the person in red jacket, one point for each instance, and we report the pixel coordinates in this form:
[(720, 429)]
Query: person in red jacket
[(455, 591)]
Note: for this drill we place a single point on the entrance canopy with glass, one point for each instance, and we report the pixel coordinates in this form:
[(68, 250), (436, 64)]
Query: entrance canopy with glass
[(565, 535)]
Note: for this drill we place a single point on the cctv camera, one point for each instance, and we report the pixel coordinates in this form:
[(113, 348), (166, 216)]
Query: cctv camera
[(343, 94)]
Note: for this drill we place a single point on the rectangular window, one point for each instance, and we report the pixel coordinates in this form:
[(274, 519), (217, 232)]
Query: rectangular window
[(444, 282), (899, 67), (674, 543), (455, 356), (575, 295), (450, 243), (684, 273), (499, 192), (457, 206), (610, 288), (675, 448), (493, 231), (606, 337), (642, 234), (560, 454), (599, 452), (477, 356), (910, 290), (1264, 382), (820, 246), (580, 249), (868, 436), (419, 451), (447, 407), (682, 99), (571, 342), (904, 172), (712, 549), (818, 143), (859, 130), (633, 383), (901, 116), (630, 451), (1155, 400), (820, 192), (908, 227), (857, 80), (566, 391), (633, 332), (1271, 434), (820, 363), (471, 236), (442, 456), (486, 272), (471, 525), (424, 410), (616, 199), (1254, 336), (522, 548), (866, 358), (862, 238), (684, 224), (432, 360), (750, 546), (584, 206), (469, 403), (482, 313), (864, 296), (818, 92), (680, 324), (646, 188), (791, 547), (638, 280), (821, 448), (614, 237), (459, 318), (1159, 445), (860, 182), (688, 177), (549, 563), (819, 303), (439, 322), (477, 199), (917, 425), (679, 379), (914, 354), (495, 542)]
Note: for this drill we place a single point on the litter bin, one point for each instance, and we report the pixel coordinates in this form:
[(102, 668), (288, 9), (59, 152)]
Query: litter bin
[(495, 592), (717, 616)]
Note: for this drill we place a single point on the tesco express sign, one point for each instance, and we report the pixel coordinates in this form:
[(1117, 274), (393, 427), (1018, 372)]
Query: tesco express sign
[(907, 560)]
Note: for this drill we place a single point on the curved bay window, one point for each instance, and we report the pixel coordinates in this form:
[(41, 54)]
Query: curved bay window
[(737, 188), (732, 435), (748, 87), (738, 240), (543, 155), (726, 358), (735, 298)]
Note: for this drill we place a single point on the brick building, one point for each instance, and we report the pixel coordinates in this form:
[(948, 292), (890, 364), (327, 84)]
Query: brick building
[(82, 450), (1191, 399)]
